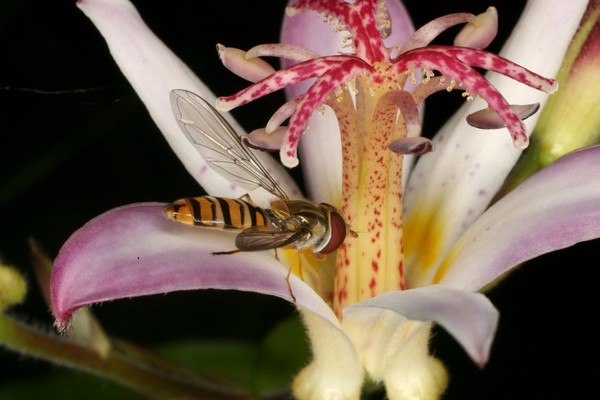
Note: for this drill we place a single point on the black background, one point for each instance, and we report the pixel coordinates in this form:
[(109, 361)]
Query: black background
[(76, 141)]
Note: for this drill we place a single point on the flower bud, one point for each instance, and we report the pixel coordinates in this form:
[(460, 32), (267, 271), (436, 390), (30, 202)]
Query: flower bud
[(13, 287)]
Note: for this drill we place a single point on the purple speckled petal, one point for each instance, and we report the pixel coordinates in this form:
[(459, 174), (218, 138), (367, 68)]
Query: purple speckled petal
[(135, 251), (469, 317), (455, 183), (153, 71), (555, 208), (320, 148)]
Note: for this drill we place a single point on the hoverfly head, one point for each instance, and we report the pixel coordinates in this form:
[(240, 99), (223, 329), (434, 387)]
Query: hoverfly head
[(335, 233)]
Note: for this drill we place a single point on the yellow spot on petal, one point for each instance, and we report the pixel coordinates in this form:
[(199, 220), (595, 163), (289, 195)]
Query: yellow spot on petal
[(315, 271), (423, 234), (445, 265)]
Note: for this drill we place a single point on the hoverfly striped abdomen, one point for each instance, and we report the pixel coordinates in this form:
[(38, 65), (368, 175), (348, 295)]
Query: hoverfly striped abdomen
[(217, 212)]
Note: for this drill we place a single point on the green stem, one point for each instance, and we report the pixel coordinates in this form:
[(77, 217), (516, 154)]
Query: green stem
[(126, 364)]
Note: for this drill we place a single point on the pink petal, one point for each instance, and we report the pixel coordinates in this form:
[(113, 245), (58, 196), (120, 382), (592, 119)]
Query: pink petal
[(555, 208), (469, 317), (135, 251)]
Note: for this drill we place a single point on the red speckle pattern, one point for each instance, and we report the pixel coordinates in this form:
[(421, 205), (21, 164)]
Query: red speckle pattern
[(375, 265)]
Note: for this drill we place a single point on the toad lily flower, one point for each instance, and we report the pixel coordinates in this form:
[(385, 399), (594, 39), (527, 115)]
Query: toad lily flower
[(373, 319)]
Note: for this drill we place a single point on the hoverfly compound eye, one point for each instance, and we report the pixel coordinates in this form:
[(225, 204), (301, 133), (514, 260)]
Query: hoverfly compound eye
[(336, 232)]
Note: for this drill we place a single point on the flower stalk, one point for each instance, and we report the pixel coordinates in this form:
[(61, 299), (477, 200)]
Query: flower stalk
[(125, 363)]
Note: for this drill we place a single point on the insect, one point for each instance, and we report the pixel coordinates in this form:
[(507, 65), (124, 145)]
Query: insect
[(288, 223)]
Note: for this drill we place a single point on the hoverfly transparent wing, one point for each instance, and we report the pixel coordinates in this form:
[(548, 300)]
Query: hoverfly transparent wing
[(219, 144), (266, 237)]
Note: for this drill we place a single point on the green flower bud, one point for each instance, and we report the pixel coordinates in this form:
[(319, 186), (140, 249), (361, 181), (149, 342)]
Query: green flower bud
[(13, 287)]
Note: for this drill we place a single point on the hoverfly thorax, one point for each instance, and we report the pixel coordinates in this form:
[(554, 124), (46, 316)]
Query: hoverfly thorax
[(324, 227)]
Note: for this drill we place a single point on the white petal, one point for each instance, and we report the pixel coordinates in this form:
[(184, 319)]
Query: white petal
[(335, 371), (153, 71), (555, 208), (469, 317), (395, 351), (455, 183)]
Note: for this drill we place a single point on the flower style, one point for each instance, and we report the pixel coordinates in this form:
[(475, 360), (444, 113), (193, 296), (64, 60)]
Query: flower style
[(374, 318)]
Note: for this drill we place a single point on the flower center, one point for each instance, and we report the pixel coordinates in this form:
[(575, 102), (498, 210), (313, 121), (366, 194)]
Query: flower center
[(379, 121)]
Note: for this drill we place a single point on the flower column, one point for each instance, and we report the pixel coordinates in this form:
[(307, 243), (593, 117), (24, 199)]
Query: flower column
[(371, 263)]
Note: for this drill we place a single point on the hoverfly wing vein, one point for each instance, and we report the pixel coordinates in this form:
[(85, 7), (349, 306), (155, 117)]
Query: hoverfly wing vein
[(219, 144)]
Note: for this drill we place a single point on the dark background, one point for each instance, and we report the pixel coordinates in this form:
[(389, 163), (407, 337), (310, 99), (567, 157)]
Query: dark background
[(76, 141)]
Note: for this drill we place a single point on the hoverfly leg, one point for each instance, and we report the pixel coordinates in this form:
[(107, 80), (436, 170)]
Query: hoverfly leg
[(287, 277), (287, 281), (303, 263), (221, 253), (314, 272)]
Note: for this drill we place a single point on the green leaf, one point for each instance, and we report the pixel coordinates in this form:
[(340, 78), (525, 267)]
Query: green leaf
[(65, 385), (261, 368)]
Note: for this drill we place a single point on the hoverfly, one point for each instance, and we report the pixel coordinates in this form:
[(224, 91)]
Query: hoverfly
[(288, 223)]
